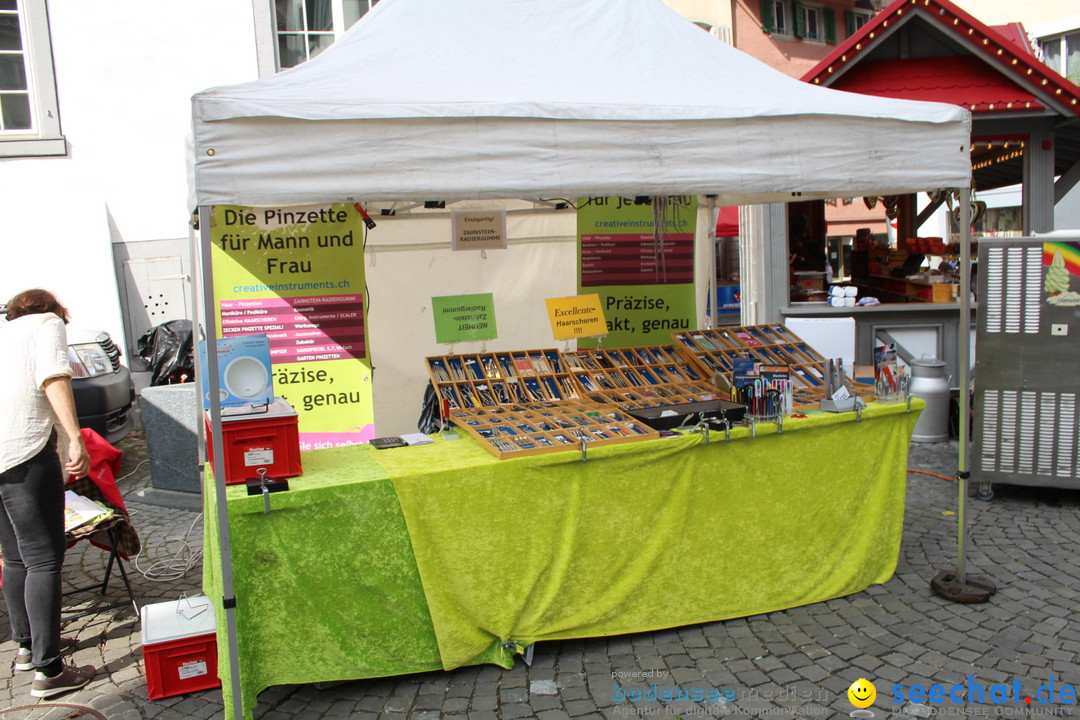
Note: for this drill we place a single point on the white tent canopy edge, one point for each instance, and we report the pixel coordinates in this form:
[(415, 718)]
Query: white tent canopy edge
[(284, 161)]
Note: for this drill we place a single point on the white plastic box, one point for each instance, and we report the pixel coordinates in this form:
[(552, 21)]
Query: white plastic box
[(179, 640)]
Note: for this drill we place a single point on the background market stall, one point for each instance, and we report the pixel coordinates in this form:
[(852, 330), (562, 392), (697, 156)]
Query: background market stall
[(536, 101)]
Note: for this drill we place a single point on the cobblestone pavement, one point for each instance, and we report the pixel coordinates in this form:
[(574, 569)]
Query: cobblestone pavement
[(798, 662)]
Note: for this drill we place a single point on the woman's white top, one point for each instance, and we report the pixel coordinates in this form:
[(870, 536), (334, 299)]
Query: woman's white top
[(33, 349)]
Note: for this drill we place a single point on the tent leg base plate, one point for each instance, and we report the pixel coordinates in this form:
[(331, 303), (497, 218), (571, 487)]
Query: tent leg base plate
[(976, 589)]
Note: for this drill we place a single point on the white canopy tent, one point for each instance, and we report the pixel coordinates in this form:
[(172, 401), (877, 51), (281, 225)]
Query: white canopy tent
[(429, 100), (528, 99)]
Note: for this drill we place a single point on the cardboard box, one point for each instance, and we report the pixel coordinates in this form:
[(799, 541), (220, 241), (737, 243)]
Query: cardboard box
[(179, 641), (931, 292), (810, 281), (864, 374), (267, 441)]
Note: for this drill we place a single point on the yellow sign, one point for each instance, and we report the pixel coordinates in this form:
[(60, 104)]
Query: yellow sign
[(579, 316)]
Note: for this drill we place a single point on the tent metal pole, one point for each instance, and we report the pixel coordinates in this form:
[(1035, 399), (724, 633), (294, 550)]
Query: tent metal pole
[(214, 386), (963, 363), (711, 303), (959, 586)]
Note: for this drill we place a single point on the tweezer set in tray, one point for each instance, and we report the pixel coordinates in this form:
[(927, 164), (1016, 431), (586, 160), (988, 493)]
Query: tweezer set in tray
[(534, 428), (636, 378), (501, 378)]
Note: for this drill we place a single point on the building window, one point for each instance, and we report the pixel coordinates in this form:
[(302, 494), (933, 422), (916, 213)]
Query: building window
[(29, 114), (1062, 55), (814, 22), (307, 27), (856, 19), (775, 17), (14, 89), (810, 18)]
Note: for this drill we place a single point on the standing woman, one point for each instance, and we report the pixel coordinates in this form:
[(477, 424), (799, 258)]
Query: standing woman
[(35, 392)]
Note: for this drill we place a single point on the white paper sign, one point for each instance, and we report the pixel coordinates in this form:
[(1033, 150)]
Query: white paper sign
[(195, 668), (259, 456), (479, 230)]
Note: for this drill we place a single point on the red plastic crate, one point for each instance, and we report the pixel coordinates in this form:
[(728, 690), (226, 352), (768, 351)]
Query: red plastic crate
[(269, 441), (185, 657)]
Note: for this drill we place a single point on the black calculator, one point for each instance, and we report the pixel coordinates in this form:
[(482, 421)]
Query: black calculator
[(381, 443)]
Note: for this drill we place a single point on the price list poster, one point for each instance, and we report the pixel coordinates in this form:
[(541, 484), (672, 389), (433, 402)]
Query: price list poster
[(646, 287), (297, 275)]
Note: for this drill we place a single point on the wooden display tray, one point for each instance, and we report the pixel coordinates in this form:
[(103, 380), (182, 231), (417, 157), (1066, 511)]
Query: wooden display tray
[(535, 428), (714, 350), (638, 378), (500, 378)]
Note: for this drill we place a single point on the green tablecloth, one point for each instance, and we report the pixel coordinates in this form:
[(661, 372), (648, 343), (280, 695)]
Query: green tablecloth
[(404, 560), (326, 586)]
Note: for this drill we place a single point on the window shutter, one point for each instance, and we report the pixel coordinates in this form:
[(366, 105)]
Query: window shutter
[(850, 14), (830, 25), (767, 24), (799, 19)]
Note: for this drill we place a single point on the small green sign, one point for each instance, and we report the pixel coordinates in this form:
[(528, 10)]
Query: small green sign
[(460, 318)]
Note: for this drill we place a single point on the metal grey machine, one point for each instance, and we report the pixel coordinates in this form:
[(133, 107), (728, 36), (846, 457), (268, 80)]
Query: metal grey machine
[(1027, 384)]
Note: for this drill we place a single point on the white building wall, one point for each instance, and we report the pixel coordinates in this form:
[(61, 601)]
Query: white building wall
[(125, 73), (713, 12)]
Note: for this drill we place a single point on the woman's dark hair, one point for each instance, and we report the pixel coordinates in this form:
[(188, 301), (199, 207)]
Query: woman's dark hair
[(29, 302)]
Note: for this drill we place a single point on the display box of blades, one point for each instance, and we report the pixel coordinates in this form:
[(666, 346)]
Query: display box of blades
[(717, 349), (492, 379), (637, 378), (535, 428)]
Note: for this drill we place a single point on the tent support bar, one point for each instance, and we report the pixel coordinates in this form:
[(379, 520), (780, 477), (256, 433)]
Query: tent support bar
[(1066, 182), (962, 352), (714, 313), (928, 212), (209, 320), (959, 586)]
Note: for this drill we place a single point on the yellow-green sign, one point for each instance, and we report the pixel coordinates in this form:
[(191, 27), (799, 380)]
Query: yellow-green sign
[(579, 316), (646, 286), (460, 318), (297, 275)]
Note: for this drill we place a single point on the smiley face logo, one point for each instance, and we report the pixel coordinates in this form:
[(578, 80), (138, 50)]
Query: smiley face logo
[(862, 693)]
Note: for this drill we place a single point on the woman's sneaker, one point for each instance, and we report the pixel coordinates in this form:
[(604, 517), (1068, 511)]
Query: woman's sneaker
[(23, 659), (70, 678)]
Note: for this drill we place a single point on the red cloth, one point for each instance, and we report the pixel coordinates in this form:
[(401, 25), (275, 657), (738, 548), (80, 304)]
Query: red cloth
[(100, 485), (104, 465)]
